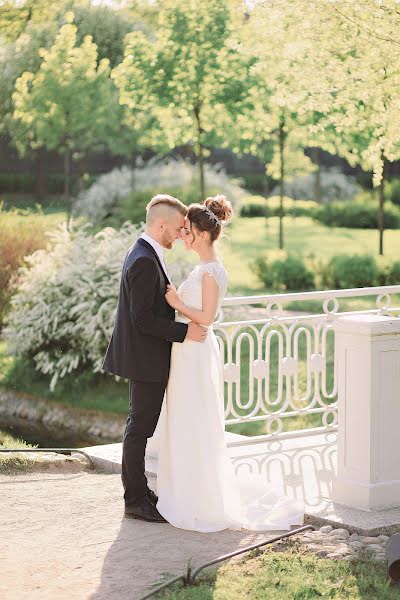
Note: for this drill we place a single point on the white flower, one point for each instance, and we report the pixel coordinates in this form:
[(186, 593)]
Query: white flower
[(63, 312), (155, 176), (334, 186)]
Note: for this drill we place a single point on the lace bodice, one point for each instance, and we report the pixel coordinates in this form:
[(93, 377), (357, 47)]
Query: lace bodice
[(190, 291)]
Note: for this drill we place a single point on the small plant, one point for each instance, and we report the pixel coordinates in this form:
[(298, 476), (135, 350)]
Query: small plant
[(287, 272), (343, 271)]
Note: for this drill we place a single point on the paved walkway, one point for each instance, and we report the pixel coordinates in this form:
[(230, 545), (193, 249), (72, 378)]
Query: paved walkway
[(64, 536), (300, 467)]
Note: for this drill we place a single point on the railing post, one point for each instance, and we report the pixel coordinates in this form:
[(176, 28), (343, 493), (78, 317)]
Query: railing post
[(368, 348)]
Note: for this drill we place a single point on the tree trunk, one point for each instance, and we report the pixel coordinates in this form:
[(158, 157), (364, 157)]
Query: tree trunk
[(317, 181), (41, 175), (67, 169), (381, 196), (133, 167), (282, 176), (200, 154), (82, 170)]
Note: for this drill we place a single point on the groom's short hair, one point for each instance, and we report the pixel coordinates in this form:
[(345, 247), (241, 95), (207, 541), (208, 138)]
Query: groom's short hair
[(164, 200)]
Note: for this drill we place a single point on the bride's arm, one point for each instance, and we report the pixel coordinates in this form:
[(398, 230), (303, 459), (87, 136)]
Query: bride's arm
[(206, 315)]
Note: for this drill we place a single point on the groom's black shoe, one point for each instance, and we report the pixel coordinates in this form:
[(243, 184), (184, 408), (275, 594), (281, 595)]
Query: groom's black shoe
[(145, 511), (152, 497)]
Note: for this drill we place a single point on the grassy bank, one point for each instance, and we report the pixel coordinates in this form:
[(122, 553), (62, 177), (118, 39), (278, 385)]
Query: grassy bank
[(10, 462), (290, 575)]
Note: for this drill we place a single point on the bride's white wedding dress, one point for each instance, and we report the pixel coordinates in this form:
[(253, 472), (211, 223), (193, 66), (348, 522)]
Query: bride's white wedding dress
[(196, 482)]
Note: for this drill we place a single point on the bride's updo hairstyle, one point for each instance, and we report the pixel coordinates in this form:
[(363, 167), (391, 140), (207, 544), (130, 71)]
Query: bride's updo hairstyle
[(211, 215)]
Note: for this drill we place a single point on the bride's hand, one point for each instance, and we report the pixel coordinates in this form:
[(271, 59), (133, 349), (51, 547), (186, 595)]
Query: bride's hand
[(172, 297)]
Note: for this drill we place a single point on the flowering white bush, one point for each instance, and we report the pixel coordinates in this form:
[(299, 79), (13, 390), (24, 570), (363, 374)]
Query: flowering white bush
[(334, 186), (63, 313), (176, 173), (100, 199), (155, 176)]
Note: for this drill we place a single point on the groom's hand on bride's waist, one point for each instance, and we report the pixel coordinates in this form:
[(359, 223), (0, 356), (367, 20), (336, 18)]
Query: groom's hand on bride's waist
[(196, 332)]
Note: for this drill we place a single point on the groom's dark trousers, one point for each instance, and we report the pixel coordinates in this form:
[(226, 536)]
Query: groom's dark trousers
[(140, 351)]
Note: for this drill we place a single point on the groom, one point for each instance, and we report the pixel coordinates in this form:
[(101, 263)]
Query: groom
[(140, 346)]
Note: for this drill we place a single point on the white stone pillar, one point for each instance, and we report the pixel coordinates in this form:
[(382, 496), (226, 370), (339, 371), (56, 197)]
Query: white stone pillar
[(368, 348)]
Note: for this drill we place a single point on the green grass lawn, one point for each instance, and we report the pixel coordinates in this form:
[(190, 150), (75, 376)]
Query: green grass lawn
[(289, 575), (248, 238)]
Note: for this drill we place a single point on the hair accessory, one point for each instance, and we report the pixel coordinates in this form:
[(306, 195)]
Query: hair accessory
[(212, 215)]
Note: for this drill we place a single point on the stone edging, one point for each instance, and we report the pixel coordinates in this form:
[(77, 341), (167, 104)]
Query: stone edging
[(59, 421), (327, 542)]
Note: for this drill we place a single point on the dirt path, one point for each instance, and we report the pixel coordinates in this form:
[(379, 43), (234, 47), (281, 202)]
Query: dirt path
[(64, 536)]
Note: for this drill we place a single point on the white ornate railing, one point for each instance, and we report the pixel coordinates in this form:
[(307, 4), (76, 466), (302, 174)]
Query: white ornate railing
[(280, 367)]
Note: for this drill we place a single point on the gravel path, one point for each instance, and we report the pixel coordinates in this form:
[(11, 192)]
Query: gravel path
[(64, 536)]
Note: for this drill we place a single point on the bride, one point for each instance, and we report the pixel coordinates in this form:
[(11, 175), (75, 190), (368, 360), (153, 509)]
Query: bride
[(196, 482)]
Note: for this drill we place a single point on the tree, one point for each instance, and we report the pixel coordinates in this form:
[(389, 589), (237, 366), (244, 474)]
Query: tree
[(69, 104), (360, 81), (191, 78), (272, 126), (347, 84)]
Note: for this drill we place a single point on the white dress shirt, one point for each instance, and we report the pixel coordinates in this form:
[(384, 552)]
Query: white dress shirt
[(159, 251)]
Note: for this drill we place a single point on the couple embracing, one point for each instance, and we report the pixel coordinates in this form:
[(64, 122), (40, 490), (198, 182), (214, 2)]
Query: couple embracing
[(163, 343)]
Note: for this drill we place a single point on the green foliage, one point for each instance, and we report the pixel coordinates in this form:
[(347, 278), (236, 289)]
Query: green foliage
[(286, 272), (133, 208), (22, 232), (27, 183), (392, 191), (108, 28), (294, 208), (358, 215), (17, 182), (258, 206), (257, 183), (254, 209), (343, 271), (190, 80), (85, 389), (70, 103), (11, 462), (393, 275)]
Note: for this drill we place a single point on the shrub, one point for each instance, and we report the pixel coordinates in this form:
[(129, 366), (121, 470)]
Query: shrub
[(123, 194), (359, 214), (392, 191), (293, 208), (393, 276), (254, 206), (26, 183), (133, 207), (334, 186), (62, 314), (17, 182), (343, 271), (257, 182), (22, 233), (288, 272), (258, 206), (100, 200)]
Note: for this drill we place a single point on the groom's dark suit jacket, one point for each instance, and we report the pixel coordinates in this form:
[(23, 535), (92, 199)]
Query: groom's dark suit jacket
[(145, 327)]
